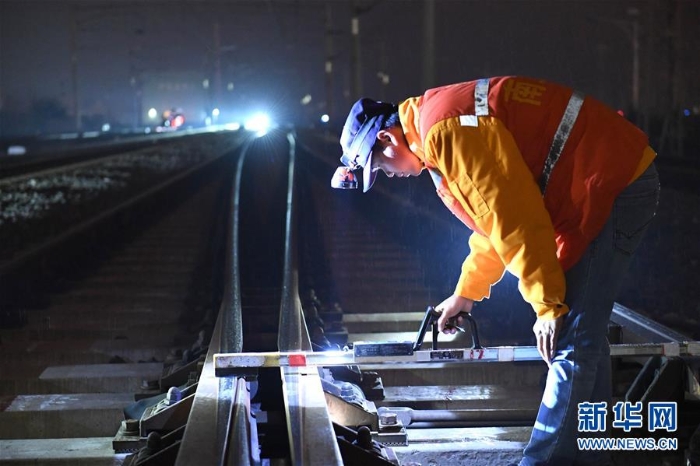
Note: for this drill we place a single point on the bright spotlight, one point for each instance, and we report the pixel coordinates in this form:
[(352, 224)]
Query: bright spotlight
[(325, 118), (215, 112), (258, 123), (152, 113)]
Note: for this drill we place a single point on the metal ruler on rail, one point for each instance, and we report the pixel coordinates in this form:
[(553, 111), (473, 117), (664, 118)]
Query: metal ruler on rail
[(235, 363)]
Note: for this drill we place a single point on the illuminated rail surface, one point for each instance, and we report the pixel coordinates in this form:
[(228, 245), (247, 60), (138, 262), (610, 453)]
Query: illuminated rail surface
[(284, 235)]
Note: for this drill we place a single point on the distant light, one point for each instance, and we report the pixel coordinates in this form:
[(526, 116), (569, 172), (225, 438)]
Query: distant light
[(16, 150), (325, 118), (207, 121), (621, 113), (229, 86), (215, 112), (258, 123), (147, 129), (178, 121), (306, 100), (686, 112), (106, 127), (205, 84), (233, 126), (152, 113)]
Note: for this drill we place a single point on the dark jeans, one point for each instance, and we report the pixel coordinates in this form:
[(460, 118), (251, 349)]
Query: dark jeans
[(581, 368)]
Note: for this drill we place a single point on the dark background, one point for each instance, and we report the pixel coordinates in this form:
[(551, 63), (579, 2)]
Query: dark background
[(115, 59), (76, 65)]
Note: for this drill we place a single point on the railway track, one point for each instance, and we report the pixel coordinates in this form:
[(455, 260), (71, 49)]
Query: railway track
[(263, 258), (98, 313)]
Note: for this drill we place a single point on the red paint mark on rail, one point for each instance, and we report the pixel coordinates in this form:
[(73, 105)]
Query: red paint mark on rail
[(297, 360)]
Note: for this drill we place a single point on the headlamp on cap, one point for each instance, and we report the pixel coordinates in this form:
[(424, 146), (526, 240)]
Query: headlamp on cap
[(357, 140), (344, 178)]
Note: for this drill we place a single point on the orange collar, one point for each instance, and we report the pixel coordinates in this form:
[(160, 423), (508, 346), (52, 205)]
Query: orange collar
[(409, 117)]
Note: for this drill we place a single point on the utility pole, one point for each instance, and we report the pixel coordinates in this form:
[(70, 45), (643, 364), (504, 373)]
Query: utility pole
[(329, 61), (634, 14), (356, 61), (678, 80), (672, 133), (650, 38), (135, 80), (74, 67), (429, 44), (217, 65), (382, 74), (356, 65), (631, 28), (90, 15)]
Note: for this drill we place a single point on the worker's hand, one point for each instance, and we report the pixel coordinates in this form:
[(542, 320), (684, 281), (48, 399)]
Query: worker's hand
[(450, 308), (546, 332)]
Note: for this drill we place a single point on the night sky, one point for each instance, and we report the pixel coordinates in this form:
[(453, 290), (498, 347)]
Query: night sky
[(273, 52)]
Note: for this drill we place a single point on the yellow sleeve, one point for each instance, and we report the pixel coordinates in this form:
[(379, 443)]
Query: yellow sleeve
[(487, 175), (481, 269)]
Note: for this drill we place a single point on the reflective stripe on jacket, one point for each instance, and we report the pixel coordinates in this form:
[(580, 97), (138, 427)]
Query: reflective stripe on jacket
[(487, 160)]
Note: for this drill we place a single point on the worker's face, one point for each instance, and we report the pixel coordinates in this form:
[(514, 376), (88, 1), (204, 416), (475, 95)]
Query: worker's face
[(393, 156)]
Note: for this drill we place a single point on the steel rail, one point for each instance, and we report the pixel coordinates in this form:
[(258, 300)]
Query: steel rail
[(61, 168), (219, 430), (310, 431), (293, 333), (14, 169), (644, 328), (42, 248)]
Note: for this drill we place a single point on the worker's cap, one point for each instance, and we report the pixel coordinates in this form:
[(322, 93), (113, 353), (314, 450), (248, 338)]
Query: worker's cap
[(359, 135)]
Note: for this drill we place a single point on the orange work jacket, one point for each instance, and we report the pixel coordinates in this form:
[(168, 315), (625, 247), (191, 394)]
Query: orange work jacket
[(487, 160)]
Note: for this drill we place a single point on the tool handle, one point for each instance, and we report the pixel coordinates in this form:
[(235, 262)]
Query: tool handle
[(431, 317), (428, 319), (476, 344), (452, 322)]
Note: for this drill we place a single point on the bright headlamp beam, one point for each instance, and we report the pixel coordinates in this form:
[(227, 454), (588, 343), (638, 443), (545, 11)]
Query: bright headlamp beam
[(259, 123)]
